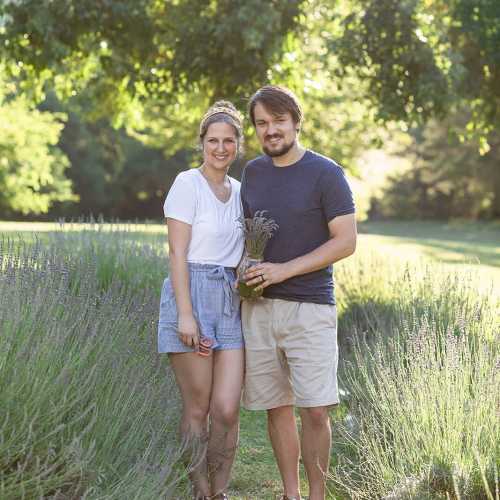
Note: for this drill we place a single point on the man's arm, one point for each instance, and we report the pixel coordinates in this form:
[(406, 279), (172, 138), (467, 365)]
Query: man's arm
[(341, 244)]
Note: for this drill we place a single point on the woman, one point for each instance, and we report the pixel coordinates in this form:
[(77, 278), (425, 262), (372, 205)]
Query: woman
[(199, 324)]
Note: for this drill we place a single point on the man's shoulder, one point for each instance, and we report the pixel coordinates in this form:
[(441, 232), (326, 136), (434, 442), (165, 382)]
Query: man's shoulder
[(258, 162), (258, 168), (322, 162)]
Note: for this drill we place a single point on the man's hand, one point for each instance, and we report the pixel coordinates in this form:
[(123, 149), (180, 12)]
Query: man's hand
[(341, 244), (187, 330), (266, 274)]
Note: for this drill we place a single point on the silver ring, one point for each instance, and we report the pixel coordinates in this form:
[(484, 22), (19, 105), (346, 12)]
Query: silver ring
[(262, 279)]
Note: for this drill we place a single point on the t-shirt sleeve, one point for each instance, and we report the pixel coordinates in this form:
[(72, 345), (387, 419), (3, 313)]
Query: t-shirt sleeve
[(336, 195), (180, 203)]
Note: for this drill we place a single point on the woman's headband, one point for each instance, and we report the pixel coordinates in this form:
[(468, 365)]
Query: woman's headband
[(221, 110)]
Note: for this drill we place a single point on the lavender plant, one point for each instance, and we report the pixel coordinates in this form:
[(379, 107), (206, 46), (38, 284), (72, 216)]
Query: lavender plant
[(420, 367), (257, 230), (87, 408)]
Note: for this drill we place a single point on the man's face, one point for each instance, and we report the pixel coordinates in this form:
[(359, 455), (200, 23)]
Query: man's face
[(277, 133)]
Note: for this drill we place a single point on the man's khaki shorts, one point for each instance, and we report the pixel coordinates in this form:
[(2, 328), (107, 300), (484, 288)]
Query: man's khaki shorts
[(291, 354)]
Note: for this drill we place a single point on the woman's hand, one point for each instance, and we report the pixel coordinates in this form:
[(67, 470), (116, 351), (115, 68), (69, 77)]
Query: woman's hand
[(188, 331)]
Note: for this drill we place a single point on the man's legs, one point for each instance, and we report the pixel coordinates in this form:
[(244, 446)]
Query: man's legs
[(316, 439), (285, 442), (267, 385), (310, 345)]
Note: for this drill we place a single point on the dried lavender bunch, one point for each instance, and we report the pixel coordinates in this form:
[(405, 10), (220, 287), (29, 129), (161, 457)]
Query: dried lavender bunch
[(258, 230)]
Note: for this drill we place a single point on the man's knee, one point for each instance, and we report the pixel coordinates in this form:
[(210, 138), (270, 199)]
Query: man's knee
[(315, 417), (280, 414)]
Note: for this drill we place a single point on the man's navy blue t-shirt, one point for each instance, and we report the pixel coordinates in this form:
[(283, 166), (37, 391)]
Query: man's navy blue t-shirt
[(302, 198)]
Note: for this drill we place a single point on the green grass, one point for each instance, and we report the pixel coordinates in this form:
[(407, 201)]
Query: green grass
[(418, 331), (473, 245)]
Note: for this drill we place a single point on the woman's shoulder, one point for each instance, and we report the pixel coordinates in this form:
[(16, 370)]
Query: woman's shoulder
[(236, 184), (190, 176), (187, 180), (186, 184)]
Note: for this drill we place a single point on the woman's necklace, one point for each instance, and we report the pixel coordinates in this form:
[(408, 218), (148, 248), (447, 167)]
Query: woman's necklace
[(221, 191)]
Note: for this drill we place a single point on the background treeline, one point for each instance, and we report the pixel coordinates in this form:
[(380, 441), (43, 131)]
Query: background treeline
[(100, 100)]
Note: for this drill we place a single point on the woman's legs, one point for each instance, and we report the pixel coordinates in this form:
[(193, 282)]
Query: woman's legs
[(224, 415), (194, 378)]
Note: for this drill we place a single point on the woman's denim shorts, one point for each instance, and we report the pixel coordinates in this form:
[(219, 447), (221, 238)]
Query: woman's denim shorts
[(216, 308)]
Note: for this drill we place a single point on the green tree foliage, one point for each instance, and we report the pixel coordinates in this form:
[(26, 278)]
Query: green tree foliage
[(149, 69), (114, 174), (121, 53), (339, 119), (135, 76), (447, 179), (32, 168), (424, 59)]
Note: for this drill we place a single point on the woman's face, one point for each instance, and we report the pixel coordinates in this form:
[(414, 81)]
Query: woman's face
[(220, 146)]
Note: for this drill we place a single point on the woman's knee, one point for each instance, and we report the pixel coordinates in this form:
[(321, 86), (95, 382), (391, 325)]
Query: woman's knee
[(196, 414), (224, 413)]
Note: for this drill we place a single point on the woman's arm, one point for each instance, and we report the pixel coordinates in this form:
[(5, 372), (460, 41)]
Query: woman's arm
[(179, 236)]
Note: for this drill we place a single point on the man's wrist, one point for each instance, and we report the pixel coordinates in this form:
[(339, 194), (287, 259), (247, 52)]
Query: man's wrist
[(290, 268)]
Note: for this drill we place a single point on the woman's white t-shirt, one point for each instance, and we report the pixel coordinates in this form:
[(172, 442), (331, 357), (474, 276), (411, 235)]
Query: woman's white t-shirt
[(216, 237)]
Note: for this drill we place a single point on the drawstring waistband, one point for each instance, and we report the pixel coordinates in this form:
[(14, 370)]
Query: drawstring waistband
[(221, 273), (226, 274)]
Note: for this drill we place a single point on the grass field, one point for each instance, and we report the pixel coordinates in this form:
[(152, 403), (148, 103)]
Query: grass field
[(472, 246), (412, 289), (465, 243)]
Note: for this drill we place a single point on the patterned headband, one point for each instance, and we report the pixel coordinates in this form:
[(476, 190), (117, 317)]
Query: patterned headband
[(218, 110)]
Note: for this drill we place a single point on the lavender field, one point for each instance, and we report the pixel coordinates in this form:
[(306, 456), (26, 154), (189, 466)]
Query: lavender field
[(89, 410)]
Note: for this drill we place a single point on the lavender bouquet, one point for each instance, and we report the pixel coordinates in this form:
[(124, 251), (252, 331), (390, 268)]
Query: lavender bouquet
[(257, 230)]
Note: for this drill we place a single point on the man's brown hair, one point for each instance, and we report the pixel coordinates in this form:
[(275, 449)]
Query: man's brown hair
[(277, 100)]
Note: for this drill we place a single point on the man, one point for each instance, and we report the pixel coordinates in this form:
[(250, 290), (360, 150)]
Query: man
[(291, 333)]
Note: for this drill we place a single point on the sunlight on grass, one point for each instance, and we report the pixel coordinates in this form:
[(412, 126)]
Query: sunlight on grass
[(454, 259)]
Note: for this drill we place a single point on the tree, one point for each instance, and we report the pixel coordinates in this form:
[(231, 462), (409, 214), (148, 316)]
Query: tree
[(123, 53), (32, 168), (426, 59), (339, 118), (114, 175), (149, 68), (448, 178)]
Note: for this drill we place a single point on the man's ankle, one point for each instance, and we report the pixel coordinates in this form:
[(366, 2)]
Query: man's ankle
[(291, 494), (317, 495)]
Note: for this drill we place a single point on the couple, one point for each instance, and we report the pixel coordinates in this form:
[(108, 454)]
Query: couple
[(283, 345)]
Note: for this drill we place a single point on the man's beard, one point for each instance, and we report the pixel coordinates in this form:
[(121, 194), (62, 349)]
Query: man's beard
[(273, 153)]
